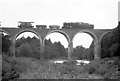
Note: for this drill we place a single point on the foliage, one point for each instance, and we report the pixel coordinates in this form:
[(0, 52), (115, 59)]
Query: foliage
[(84, 53), (35, 46), (30, 47), (54, 50), (79, 52), (102, 68), (30, 68), (11, 68), (6, 43), (111, 43), (24, 50)]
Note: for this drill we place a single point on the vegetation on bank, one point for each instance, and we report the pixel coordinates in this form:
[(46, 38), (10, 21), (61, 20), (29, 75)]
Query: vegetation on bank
[(30, 68)]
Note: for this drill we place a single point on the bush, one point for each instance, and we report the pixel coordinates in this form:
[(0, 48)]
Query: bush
[(70, 68), (12, 67), (104, 69), (8, 72)]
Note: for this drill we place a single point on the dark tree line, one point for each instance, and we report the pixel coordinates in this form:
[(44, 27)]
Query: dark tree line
[(81, 52), (5, 43), (111, 43), (54, 50), (30, 47)]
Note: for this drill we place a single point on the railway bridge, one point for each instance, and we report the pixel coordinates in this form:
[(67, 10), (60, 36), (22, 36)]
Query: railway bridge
[(69, 33)]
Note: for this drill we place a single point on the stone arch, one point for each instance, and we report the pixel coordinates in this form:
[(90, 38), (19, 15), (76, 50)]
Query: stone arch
[(103, 35), (26, 30), (88, 32), (95, 39), (59, 31)]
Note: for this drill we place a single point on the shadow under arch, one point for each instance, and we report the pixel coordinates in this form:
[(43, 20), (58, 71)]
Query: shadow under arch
[(58, 31), (26, 30), (103, 36)]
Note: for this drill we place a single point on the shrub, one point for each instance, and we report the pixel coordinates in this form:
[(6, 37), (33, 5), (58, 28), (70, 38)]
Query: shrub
[(104, 69), (70, 68), (12, 67), (8, 71)]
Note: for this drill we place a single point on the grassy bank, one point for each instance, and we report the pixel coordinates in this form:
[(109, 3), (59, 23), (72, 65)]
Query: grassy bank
[(30, 68)]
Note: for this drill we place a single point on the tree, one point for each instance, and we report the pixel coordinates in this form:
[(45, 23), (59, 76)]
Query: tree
[(24, 50), (20, 41), (50, 52), (54, 50), (84, 53), (6, 43), (48, 42), (79, 52), (60, 49), (111, 43), (34, 44)]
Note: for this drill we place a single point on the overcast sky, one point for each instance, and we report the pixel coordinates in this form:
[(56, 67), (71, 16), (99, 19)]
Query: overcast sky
[(102, 13)]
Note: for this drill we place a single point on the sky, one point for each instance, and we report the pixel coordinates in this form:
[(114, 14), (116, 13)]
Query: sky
[(102, 13)]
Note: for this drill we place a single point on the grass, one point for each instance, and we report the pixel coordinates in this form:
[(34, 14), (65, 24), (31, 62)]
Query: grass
[(30, 68)]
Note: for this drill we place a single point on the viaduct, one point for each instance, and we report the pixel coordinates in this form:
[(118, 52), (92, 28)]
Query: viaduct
[(69, 33)]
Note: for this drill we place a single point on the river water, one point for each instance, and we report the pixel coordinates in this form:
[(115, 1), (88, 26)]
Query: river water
[(78, 62)]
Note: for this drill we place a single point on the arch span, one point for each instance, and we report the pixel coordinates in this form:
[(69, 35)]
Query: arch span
[(103, 35), (95, 39), (88, 32), (27, 30), (58, 31)]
